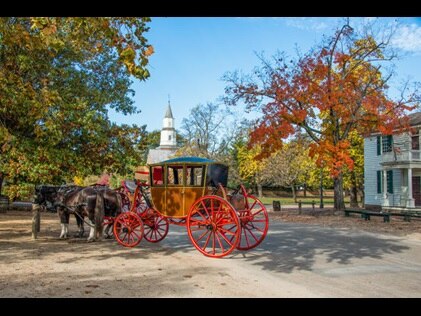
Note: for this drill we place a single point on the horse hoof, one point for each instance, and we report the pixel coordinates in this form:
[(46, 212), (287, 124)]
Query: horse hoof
[(90, 240)]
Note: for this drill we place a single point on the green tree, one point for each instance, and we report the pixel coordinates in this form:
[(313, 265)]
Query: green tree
[(208, 131), (58, 78), (289, 166)]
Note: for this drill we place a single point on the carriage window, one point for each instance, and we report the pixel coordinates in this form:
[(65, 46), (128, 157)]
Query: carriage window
[(158, 175), (175, 175), (194, 175)]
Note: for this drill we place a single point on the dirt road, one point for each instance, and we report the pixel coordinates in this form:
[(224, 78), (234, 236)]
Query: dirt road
[(295, 260)]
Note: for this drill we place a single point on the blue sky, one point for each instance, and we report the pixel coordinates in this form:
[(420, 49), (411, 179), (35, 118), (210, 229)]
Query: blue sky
[(192, 54)]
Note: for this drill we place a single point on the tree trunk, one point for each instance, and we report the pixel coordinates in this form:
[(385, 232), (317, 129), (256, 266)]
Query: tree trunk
[(338, 190), (1, 182), (294, 195), (353, 193), (259, 191), (305, 189)]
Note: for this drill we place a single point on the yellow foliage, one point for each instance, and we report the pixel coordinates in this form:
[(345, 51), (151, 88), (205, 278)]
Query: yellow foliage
[(78, 180), (249, 168)]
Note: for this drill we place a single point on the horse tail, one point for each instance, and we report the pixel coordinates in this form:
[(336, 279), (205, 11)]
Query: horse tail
[(119, 203), (99, 213)]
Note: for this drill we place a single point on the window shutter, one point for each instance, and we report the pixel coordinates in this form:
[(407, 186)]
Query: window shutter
[(379, 181), (390, 181), (379, 145), (389, 142)]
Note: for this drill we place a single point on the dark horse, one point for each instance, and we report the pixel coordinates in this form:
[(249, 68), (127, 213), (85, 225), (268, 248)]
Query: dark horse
[(82, 202), (112, 206)]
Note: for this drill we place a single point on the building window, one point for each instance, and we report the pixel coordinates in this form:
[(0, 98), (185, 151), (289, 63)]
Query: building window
[(169, 137), (389, 179), (379, 182), (415, 142), (386, 143)]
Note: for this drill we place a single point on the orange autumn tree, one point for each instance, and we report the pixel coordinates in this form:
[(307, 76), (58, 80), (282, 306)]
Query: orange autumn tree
[(329, 92)]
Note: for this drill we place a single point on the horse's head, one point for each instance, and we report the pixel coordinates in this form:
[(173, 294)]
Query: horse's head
[(45, 195)]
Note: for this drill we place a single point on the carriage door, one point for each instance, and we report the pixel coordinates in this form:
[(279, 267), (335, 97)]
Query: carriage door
[(174, 204), (157, 187), (194, 185)]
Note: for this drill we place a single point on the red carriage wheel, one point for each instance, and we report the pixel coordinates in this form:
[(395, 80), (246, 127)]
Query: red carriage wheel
[(141, 205), (254, 224), (128, 229), (155, 226), (213, 226), (125, 202)]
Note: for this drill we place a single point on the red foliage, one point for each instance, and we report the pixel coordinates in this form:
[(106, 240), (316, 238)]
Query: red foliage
[(104, 179), (328, 95)]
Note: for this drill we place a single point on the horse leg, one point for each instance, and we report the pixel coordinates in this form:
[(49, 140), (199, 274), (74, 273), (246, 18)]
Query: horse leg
[(108, 232), (79, 221), (64, 220), (91, 237)]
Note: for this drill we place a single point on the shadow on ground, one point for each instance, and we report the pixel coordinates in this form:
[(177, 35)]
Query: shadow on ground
[(287, 247)]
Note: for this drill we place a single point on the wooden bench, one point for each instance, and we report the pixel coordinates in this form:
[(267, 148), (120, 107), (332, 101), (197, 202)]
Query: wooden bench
[(347, 212), (407, 215), (367, 214)]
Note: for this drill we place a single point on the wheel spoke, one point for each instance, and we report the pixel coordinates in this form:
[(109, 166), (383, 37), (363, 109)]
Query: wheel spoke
[(255, 213), (226, 239), (124, 237), (251, 233), (247, 239), (206, 243), (219, 241), (259, 221), (205, 208), (254, 227), (213, 242), (203, 235), (198, 212), (250, 208), (135, 234), (227, 231)]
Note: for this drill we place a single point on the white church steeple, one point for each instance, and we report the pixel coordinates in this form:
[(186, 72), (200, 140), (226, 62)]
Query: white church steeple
[(168, 135)]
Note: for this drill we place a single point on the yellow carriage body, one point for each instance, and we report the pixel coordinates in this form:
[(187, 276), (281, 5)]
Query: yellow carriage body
[(177, 183)]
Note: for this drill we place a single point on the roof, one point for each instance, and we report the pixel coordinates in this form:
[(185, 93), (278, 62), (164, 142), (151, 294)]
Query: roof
[(168, 113), (160, 154), (190, 159), (415, 119)]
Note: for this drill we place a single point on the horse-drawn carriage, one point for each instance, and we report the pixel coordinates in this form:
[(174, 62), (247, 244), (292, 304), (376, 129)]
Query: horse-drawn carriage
[(192, 192)]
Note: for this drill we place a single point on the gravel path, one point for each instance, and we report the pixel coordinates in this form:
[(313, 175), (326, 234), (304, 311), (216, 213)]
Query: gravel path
[(297, 259)]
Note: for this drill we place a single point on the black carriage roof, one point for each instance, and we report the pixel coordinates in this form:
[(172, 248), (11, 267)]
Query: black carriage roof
[(181, 160), (216, 172)]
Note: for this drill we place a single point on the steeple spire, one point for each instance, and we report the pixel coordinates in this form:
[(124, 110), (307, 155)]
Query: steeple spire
[(168, 113)]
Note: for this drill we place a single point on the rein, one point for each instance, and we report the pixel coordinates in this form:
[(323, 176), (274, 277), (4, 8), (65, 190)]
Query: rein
[(71, 210)]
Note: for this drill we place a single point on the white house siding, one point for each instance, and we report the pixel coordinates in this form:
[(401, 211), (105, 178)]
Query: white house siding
[(371, 165)]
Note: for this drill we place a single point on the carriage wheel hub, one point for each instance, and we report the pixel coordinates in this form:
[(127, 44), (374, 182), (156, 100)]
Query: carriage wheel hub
[(211, 226)]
